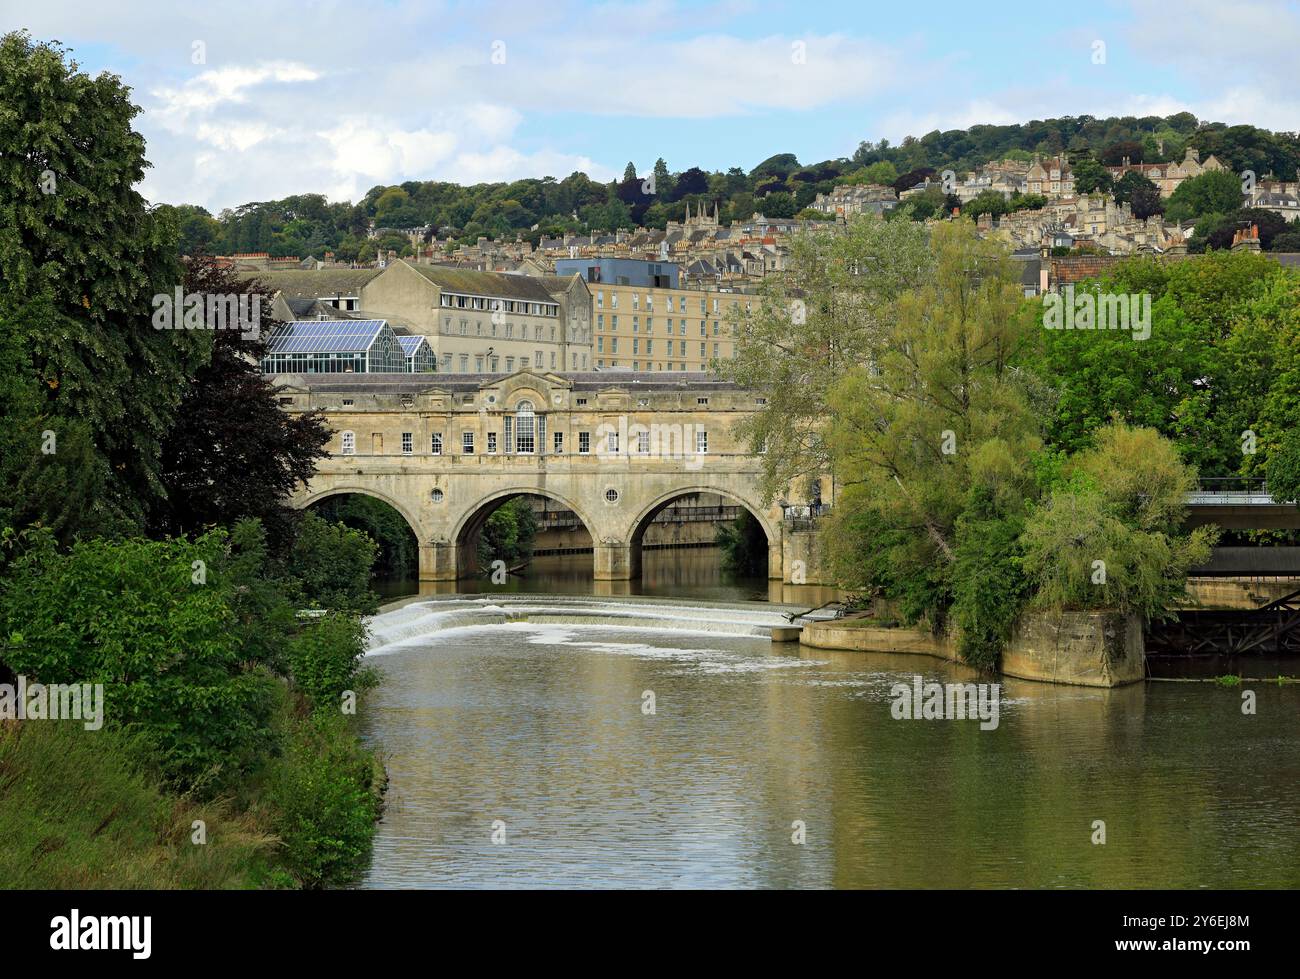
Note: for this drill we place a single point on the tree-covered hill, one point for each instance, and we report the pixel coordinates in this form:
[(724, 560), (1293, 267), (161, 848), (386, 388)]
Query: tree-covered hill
[(780, 186)]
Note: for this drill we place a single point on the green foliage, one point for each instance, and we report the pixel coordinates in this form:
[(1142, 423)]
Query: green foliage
[(1202, 376), (50, 474), (1284, 469), (398, 549), (743, 543), (989, 587), (324, 659), (1111, 537), (508, 534), (1090, 177), (1214, 192), (325, 793), (332, 562), (81, 256), (826, 315), (159, 642), (1139, 193), (929, 445)]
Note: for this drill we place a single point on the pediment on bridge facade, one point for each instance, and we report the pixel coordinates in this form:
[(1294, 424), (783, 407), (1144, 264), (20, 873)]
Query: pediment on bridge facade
[(546, 389), (614, 398)]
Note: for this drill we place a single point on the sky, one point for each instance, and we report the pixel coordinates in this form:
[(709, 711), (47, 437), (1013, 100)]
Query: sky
[(247, 101)]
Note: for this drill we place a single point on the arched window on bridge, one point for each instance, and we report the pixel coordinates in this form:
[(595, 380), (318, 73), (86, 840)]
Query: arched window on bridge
[(525, 430)]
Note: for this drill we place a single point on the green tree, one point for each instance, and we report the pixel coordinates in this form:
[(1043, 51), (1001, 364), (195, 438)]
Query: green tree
[(938, 422), (1215, 192), (332, 562), (1109, 536), (231, 451), (81, 258), (1090, 177), (826, 315), (152, 621)]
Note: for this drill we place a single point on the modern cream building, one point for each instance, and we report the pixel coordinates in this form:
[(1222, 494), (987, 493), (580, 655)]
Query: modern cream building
[(643, 328)]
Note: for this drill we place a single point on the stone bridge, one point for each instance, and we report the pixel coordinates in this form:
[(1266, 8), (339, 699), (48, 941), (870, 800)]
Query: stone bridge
[(616, 448)]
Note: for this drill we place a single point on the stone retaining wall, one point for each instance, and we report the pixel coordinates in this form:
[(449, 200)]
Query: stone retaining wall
[(1093, 649)]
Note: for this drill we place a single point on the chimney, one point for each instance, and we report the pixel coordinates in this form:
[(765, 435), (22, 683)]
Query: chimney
[(1246, 239)]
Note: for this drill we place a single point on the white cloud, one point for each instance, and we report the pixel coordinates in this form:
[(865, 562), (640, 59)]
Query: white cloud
[(337, 97)]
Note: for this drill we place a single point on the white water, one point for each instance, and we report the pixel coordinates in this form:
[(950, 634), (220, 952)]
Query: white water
[(420, 620)]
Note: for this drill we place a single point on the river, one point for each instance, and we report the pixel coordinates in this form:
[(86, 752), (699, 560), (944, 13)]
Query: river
[(526, 718)]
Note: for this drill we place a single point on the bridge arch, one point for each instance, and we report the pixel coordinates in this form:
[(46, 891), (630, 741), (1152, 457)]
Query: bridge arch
[(636, 532), (652, 510), (469, 525), (303, 502)]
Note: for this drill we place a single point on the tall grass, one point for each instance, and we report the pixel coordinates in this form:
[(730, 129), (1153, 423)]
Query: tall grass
[(77, 811)]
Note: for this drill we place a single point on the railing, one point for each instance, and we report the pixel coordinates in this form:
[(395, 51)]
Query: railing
[(803, 516), (567, 519), (1230, 491), (1232, 484)]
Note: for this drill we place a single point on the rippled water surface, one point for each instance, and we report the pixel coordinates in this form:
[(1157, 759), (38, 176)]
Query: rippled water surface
[(528, 710)]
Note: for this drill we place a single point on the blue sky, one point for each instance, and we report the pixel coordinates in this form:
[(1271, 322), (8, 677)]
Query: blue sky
[(247, 100)]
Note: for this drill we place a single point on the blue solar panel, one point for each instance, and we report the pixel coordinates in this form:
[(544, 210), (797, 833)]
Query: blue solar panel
[(325, 336), (410, 344)]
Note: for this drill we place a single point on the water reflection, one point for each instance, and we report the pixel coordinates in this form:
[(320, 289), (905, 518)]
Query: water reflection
[(666, 572), (541, 725)]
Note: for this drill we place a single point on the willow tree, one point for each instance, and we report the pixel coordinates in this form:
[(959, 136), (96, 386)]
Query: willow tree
[(1110, 535), (932, 442), (825, 315)]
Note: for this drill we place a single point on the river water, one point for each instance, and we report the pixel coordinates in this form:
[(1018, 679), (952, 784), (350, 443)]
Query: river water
[(527, 718)]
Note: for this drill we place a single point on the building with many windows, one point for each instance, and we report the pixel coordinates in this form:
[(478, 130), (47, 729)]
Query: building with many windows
[(487, 322), (334, 347), (642, 327)]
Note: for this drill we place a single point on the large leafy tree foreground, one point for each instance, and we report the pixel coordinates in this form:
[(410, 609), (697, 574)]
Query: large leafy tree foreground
[(81, 257), (932, 441)]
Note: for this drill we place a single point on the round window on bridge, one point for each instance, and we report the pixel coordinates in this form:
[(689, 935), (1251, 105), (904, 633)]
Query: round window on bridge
[(611, 495), (437, 496)]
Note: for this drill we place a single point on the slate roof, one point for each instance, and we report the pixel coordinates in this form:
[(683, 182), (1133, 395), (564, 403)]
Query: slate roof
[(307, 284), (585, 381), (474, 283)]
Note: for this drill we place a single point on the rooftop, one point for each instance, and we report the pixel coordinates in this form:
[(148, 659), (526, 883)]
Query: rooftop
[(465, 383), (324, 336)]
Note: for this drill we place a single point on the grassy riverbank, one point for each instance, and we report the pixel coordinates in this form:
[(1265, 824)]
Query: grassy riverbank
[(83, 809), (227, 755)]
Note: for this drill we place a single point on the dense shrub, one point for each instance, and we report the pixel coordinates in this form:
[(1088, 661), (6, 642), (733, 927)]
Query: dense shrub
[(332, 563), (324, 658), (326, 799), (143, 618)]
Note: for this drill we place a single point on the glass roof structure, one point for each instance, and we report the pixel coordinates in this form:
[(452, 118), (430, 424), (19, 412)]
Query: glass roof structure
[(325, 336), (410, 344), (334, 347)]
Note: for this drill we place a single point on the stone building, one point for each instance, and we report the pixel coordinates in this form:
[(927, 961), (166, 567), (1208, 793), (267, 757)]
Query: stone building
[(1053, 179), (1167, 176)]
